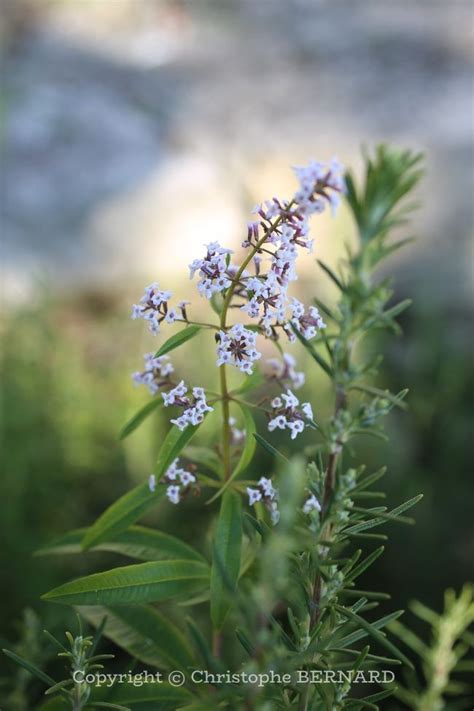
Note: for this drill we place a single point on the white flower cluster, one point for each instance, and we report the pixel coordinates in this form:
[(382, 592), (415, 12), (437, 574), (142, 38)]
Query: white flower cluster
[(311, 504), (213, 270), (320, 183), (306, 321), (156, 373), (266, 493), (179, 482), (153, 307), (266, 301), (285, 414), (237, 347), (285, 226), (285, 371), (194, 408)]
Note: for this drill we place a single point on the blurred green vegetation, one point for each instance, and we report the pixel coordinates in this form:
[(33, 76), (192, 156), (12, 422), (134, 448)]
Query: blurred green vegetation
[(66, 393), (430, 451)]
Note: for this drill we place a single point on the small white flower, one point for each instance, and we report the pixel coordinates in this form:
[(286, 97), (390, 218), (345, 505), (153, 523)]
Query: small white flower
[(156, 373), (307, 323), (318, 181), (173, 471), (172, 492), (314, 314), (297, 308), (213, 270), (311, 504), (136, 311), (179, 479), (153, 306), (280, 422), (171, 316), (193, 410), (237, 347), (187, 478), (268, 488), (153, 321), (290, 399), (254, 495), (152, 482), (268, 495), (175, 394), (287, 415), (296, 427), (158, 297), (180, 422)]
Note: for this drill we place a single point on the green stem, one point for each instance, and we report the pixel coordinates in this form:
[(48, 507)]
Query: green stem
[(255, 405), (225, 423), (217, 643), (304, 699), (223, 324), (197, 323)]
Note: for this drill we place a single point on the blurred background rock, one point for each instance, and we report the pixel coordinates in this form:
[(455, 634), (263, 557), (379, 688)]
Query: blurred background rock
[(136, 130)]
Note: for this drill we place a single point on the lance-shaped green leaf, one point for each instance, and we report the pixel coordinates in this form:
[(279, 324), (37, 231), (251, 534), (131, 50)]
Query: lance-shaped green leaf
[(397, 309), (331, 275), (247, 452), (374, 657), (369, 480), (313, 353), (174, 443), (396, 400), (366, 563), (377, 697), (202, 646), (136, 542), (139, 417), (226, 557), (269, 447), (31, 668), (132, 505), (177, 340), (355, 636), (245, 642), (144, 582), (373, 632), (121, 514), (249, 448), (144, 633), (393, 515), (410, 639)]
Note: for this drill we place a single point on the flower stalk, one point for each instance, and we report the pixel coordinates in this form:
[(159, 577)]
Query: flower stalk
[(281, 581)]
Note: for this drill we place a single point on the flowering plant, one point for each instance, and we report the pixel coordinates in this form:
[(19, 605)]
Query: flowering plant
[(275, 591)]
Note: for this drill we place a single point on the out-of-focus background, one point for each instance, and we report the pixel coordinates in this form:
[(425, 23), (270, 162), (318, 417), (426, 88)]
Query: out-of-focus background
[(136, 130)]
